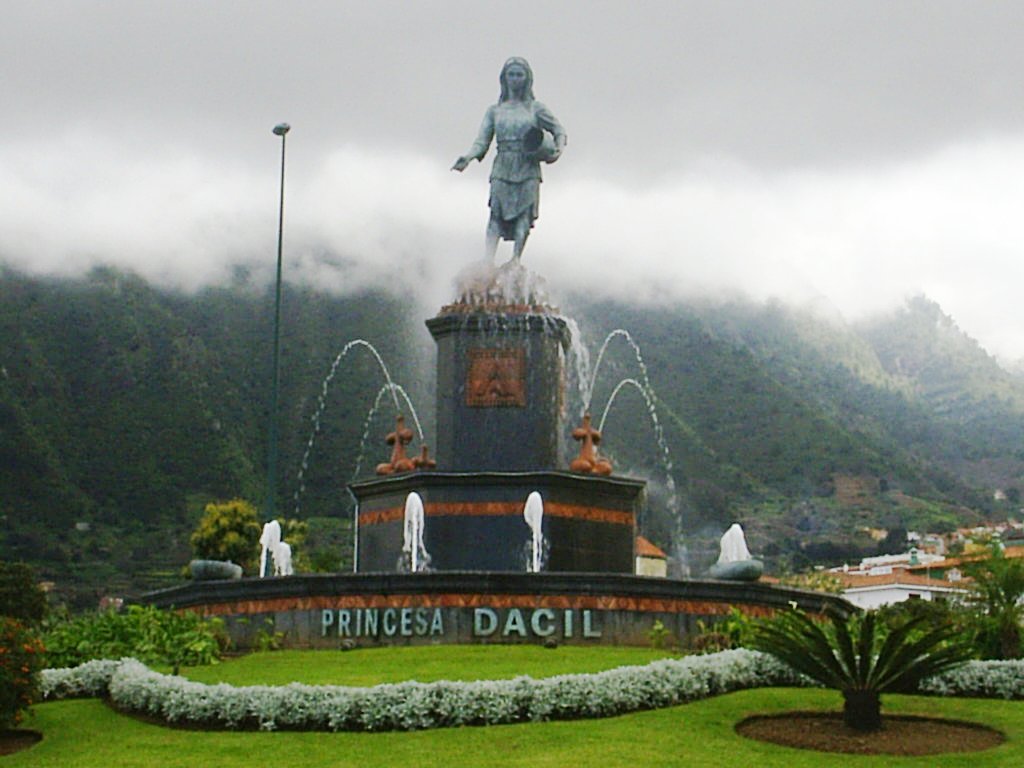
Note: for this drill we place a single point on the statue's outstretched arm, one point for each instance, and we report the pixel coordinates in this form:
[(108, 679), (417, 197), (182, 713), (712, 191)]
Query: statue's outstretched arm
[(483, 141)]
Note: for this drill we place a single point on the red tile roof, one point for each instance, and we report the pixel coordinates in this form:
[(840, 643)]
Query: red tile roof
[(644, 548)]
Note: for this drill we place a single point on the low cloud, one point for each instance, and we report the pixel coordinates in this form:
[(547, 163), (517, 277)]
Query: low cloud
[(863, 240)]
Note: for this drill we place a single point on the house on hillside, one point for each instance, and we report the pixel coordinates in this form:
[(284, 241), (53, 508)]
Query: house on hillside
[(875, 590), (888, 579)]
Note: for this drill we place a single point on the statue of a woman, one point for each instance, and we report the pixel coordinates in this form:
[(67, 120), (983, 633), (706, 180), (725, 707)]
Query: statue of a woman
[(525, 133)]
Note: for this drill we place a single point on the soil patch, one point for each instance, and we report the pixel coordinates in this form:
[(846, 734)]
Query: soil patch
[(17, 740), (900, 734)]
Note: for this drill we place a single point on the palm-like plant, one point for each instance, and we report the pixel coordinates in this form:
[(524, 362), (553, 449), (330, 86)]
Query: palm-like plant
[(999, 592), (854, 659)]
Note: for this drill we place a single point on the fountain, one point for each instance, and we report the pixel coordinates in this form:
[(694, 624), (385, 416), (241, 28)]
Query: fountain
[(415, 553), (735, 562), (533, 513), (500, 417), (500, 409)]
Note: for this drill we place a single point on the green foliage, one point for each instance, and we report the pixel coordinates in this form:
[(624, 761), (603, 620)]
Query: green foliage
[(734, 630), (20, 595), (856, 659), (296, 533), (819, 581), (20, 662), (144, 632), (329, 544), (268, 641), (998, 593), (229, 531), (658, 634), (121, 404)]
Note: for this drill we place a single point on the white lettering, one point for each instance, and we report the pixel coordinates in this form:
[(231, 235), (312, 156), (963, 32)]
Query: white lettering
[(485, 621), (588, 630), (436, 627), (514, 623), (421, 621), (370, 616), (406, 629), (326, 621), (535, 622), (344, 622), (567, 624), (389, 622)]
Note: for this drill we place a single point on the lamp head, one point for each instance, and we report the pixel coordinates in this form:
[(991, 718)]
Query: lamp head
[(281, 129)]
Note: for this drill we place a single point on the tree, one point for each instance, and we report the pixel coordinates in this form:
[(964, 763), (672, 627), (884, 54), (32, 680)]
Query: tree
[(853, 658), (20, 596), (229, 531), (998, 591)]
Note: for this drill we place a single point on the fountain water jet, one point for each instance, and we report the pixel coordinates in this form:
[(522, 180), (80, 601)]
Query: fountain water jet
[(533, 513), (389, 386), (412, 534)]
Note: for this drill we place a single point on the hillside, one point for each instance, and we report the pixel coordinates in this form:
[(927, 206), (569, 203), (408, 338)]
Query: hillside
[(124, 408)]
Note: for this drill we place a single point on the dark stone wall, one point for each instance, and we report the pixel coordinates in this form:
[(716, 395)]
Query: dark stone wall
[(474, 521), (395, 609), (515, 424)]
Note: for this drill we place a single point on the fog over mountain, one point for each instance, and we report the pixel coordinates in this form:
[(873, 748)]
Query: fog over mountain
[(847, 155)]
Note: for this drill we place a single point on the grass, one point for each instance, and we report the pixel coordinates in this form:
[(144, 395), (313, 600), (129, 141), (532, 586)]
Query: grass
[(88, 734), (371, 666)]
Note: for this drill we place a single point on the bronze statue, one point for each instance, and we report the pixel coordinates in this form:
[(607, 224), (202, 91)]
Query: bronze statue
[(525, 134)]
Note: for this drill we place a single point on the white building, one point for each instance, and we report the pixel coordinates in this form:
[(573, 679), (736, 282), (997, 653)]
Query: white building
[(869, 591)]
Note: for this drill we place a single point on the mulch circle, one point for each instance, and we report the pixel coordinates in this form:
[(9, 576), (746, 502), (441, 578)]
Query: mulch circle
[(900, 734), (17, 740)]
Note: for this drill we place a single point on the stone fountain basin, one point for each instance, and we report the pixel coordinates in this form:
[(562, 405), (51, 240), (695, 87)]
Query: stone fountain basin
[(376, 609)]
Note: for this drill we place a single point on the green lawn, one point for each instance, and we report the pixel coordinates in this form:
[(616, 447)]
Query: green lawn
[(371, 666), (87, 734)]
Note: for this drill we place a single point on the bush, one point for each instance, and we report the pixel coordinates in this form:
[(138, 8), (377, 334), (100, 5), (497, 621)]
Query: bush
[(980, 679), (20, 596), (998, 593), (862, 663), (411, 705), (145, 632), (229, 531), (20, 662), (735, 630)]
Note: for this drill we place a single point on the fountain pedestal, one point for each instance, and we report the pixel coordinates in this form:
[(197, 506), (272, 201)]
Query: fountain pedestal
[(500, 385), (500, 405), (473, 521)]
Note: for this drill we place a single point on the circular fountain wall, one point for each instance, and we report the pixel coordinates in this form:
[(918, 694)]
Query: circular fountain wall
[(333, 611)]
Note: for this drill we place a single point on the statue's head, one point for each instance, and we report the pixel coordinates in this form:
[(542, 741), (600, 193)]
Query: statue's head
[(524, 65)]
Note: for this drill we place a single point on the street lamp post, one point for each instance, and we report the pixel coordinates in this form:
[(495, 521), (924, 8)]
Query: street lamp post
[(279, 130)]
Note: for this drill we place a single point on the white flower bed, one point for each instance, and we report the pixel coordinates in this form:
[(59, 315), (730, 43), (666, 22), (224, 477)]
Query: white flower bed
[(980, 679), (409, 706), (86, 680)]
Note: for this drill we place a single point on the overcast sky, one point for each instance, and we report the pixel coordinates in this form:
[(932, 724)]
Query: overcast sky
[(846, 153)]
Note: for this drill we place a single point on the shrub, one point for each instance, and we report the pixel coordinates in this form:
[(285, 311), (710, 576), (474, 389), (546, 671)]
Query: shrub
[(661, 683), (735, 630), (998, 592), (229, 531), (145, 632), (412, 705), (20, 596), (855, 659), (20, 662)]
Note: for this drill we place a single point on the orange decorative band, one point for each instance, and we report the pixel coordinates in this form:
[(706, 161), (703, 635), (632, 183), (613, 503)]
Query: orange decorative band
[(475, 600), (485, 508)]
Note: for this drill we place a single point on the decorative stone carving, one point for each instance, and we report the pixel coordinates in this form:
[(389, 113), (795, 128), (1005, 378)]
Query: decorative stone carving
[(398, 439), (588, 461)]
